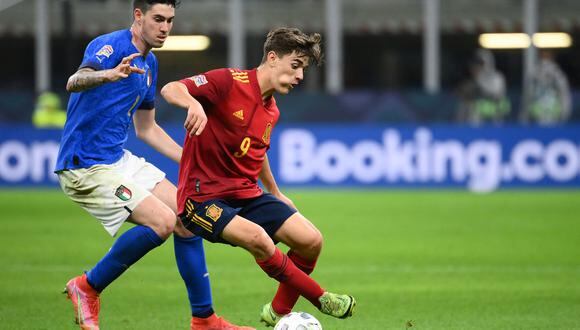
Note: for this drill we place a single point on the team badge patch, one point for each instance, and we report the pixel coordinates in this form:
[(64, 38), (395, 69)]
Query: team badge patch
[(105, 51), (214, 212), (199, 80), (267, 133), (123, 193)]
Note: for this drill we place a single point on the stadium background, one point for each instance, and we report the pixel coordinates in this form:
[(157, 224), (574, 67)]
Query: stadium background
[(432, 223)]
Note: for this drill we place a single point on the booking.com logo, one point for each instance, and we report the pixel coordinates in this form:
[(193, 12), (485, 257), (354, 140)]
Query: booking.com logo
[(422, 159)]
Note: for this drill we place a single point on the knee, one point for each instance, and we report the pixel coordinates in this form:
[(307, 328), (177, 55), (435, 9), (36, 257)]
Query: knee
[(315, 243), (260, 244), (311, 246), (166, 224)]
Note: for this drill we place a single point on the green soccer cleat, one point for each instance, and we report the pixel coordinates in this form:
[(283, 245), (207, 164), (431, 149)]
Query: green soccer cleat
[(337, 305), (268, 316)]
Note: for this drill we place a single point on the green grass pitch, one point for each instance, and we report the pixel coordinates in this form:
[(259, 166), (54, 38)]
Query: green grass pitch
[(420, 260)]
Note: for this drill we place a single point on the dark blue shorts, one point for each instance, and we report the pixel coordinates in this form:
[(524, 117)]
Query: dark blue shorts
[(208, 219)]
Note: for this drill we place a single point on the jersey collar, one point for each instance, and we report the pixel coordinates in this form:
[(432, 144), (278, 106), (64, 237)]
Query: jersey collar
[(256, 86)]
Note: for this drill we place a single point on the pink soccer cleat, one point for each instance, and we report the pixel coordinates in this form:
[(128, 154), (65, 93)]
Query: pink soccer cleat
[(86, 302)]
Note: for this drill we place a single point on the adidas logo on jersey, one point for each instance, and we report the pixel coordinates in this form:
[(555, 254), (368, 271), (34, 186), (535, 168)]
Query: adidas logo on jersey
[(239, 114)]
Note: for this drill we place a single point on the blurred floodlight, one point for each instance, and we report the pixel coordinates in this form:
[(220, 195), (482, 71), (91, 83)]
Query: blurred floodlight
[(185, 43), (552, 40), (504, 40), (522, 40)]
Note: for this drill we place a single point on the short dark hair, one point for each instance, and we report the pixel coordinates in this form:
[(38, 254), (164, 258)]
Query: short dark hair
[(284, 41), (145, 5)]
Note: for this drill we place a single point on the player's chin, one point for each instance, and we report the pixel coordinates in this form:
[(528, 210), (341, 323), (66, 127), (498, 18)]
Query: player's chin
[(157, 44), (285, 89)]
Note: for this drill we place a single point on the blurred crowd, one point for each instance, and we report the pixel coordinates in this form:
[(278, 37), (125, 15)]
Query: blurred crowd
[(483, 95)]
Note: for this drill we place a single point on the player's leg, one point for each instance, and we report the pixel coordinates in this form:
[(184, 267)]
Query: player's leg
[(284, 224), (305, 242), (217, 221), (250, 236), (109, 193), (190, 259), (154, 219), (155, 222), (301, 236)]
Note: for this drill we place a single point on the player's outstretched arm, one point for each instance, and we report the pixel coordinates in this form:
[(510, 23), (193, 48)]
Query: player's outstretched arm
[(87, 78), (176, 93), (147, 129)]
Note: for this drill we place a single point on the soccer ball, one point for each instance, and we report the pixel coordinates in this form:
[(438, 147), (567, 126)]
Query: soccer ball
[(298, 321)]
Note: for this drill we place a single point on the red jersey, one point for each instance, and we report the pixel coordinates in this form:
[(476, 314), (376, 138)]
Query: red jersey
[(225, 160)]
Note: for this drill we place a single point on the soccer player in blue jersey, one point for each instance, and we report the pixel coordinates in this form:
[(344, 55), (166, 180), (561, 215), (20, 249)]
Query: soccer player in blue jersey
[(115, 84)]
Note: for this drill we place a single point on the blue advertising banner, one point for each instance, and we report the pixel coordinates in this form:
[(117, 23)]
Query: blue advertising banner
[(479, 159), (380, 156)]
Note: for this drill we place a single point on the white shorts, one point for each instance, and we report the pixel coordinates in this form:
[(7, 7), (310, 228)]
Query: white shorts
[(111, 192)]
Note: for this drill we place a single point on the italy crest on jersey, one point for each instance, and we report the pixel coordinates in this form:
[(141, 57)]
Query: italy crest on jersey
[(123, 193)]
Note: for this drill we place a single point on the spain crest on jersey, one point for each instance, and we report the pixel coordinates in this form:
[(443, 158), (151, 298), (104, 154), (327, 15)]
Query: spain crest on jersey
[(214, 212), (267, 133)]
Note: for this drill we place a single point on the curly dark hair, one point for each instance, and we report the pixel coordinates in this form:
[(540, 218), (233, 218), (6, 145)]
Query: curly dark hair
[(144, 5), (284, 41)]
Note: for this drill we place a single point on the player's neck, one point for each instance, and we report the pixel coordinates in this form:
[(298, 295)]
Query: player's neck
[(138, 42), (266, 88)]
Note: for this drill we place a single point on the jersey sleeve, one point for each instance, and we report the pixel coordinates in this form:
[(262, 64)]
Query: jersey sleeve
[(101, 55), (148, 102), (210, 87)]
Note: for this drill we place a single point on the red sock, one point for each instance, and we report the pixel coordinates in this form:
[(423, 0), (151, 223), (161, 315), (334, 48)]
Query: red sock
[(286, 296), (283, 269)]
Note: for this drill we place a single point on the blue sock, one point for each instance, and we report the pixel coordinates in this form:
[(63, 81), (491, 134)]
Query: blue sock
[(190, 259), (126, 250)]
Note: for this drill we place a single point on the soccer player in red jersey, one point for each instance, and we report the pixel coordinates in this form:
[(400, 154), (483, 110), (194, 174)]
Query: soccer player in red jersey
[(230, 117)]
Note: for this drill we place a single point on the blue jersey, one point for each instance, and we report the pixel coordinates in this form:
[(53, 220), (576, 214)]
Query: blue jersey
[(98, 119)]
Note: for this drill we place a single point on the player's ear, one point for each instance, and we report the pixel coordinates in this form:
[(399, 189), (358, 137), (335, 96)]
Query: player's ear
[(272, 58), (137, 15)]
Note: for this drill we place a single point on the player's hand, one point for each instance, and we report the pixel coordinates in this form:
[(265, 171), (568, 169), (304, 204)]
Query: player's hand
[(195, 120), (284, 199), (124, 69)]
